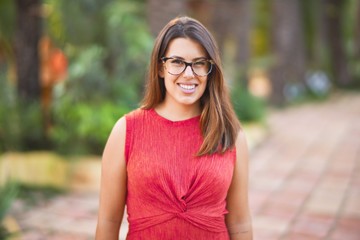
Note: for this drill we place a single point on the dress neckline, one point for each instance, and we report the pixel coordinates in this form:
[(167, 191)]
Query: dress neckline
[(153, 112)]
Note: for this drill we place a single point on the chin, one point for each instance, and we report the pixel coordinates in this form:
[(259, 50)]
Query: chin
[(188, 102)]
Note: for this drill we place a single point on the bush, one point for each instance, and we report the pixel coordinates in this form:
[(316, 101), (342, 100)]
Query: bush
[(248, 108), (8, 194), (107, 67), (21, 123), (107, 45), (82, 128), (33, 195)]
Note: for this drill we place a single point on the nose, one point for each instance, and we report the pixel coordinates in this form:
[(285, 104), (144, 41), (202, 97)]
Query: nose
[(188, 72)]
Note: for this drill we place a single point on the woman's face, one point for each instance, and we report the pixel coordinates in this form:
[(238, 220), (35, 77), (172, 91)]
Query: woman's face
[(187, 87)]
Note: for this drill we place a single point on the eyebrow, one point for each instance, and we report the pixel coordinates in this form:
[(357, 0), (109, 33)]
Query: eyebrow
[(194, 59)]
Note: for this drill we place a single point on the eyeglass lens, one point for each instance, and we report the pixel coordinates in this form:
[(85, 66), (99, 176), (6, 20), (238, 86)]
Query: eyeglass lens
[(177, 66)]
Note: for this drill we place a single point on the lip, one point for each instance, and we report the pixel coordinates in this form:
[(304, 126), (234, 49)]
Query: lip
[(187, 90)]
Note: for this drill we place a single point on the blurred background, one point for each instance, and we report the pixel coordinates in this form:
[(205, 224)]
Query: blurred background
[(70, 69)]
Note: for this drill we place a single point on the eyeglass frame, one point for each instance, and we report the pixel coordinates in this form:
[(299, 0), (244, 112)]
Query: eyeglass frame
[(164, 59)]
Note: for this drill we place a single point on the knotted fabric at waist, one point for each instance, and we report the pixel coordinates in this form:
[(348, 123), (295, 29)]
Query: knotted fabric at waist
[(198, 219)]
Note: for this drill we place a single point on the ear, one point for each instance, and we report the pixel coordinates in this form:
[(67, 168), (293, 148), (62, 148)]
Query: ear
[(161, 71)]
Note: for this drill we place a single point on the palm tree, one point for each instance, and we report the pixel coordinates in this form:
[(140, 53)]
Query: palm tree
[(159, 12), (288, 47), (27, 36)]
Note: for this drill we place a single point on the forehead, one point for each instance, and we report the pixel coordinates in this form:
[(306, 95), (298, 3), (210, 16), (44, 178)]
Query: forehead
[(185, 48)]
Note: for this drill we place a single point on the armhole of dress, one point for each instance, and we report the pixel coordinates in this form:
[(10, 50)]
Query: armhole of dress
[(128, 137)]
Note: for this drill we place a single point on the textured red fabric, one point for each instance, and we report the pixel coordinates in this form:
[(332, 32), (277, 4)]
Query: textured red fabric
[(172, 194)]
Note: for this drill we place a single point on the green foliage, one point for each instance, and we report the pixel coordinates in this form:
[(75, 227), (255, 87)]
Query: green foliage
[(8, 193), (33, 195), (261, 31), (83, 128), (108, 46), (87, 80), (9, 132), (54, 25), (351, 33), (7, 23), (21, 123), (248, 108)]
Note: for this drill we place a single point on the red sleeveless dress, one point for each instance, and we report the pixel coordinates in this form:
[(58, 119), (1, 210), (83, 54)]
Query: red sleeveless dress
[(171, 193)]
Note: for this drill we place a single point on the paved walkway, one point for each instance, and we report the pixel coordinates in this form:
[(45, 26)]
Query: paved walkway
[(305, 178), (305, 181)]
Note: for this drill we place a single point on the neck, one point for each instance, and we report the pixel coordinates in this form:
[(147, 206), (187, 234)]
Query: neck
[(178, 112)]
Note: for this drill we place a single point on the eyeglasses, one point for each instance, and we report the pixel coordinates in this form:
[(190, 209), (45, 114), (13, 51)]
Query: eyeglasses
[(176, 66)]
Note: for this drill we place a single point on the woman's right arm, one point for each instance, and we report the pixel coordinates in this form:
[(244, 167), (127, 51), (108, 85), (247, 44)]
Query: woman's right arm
[(113, 184)]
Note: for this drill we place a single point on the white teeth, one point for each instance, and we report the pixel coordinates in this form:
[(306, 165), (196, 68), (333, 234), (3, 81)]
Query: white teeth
[(187, 87)]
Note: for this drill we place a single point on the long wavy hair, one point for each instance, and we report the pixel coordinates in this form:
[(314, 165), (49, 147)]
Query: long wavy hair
[(218, 122)]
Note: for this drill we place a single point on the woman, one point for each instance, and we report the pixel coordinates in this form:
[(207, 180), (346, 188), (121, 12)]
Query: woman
[(180, 161)]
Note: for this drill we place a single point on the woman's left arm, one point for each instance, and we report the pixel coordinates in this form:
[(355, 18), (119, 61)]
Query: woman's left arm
[(238, 220)]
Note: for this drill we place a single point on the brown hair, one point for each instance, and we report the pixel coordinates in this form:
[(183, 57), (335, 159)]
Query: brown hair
[(218, 123)]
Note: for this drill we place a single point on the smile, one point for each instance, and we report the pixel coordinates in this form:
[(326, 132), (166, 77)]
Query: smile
[(187, 86)]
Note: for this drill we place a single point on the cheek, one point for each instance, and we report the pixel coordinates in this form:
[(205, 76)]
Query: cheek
[(169, 81), (204, 83)]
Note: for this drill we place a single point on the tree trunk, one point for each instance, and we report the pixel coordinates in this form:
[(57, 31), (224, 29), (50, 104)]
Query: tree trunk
[(27, 36), (231, 21), (221, 22), (319, 50), (202, 10), (313, 32), (242, 25), (159, 12), (338, 60), (357, 33), (288, 48)]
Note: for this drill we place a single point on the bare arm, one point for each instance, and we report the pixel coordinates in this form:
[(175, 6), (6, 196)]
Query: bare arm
[(113, 184), (238, 220)]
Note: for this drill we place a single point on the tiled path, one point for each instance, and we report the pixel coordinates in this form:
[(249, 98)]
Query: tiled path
[(305, 181), (305, 178)]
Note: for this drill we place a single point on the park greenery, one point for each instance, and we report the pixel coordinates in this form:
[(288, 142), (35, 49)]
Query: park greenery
[(30, 195), (8, 193), (107, 45)]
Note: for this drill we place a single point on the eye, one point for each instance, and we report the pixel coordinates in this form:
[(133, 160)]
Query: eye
[(201, 63), (177, 62)]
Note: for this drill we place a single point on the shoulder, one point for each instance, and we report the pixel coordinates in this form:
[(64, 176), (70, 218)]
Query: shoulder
[(241, 146), (126, 121), (136, 113), (121, 127), (119, 130), (136, 117), (115, 143), (241, 138)]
